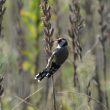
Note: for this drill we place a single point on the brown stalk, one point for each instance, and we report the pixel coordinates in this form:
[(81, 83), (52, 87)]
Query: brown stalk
[(76, 24), (1, 87), (103, 39), (1, 91), (57, 35), (48, 30), (2, 11)]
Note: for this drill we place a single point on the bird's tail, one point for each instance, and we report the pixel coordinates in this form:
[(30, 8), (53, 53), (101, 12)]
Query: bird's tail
[(41, 75)]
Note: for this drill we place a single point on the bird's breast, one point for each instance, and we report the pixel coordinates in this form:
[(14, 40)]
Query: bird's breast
[(61, 55)]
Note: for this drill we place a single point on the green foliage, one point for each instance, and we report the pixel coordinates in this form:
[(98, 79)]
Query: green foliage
[(68, 71), (31, 17), (6, 104), (30, 108)]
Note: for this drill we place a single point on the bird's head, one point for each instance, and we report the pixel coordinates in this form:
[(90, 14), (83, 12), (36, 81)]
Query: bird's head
[(62, 42)]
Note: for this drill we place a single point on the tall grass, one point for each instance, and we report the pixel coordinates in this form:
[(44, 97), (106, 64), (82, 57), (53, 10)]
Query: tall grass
[(48, 30), (76, 24)]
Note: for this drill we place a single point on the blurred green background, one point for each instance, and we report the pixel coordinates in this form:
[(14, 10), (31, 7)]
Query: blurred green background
[(22, 55)]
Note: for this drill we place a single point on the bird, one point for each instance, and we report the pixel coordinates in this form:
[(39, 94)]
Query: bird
[(55, 61)]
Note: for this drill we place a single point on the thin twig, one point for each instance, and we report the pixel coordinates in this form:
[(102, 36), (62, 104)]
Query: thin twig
[(23, 100), (26, 98)]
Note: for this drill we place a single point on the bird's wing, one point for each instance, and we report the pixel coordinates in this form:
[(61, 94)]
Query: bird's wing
[(51, 59)]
